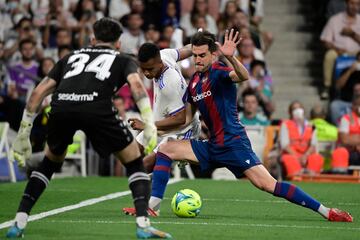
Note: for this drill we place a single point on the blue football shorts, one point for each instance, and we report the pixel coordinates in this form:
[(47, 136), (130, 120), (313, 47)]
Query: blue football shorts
[(237, 155)]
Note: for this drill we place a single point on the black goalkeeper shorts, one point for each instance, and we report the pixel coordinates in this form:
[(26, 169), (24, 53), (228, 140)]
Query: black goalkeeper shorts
[(107, 133)]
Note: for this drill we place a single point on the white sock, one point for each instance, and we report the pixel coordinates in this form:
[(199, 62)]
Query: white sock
[(143, 221), (21, 219), (324, 211), (154, 203)]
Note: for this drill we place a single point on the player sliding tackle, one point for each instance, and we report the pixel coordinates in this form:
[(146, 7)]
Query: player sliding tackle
[(212, 91), (83, 84)]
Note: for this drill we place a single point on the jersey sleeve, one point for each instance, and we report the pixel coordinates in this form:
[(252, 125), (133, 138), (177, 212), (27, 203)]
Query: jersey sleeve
[(223, 72), (127, 66), (174, 88), (57, 71), (170, 56)]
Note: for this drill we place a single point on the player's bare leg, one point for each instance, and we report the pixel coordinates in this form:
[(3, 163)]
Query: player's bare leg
[(149, 162), (36, 185), (261, 178)]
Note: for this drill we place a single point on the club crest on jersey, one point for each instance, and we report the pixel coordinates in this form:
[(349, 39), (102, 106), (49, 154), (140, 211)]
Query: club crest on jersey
[(201, 96)]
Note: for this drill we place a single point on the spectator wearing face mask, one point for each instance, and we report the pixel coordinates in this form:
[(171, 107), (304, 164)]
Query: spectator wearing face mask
[(298, 142)]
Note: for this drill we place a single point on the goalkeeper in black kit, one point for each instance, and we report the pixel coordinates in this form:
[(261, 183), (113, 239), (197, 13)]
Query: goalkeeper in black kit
[(82, 84)]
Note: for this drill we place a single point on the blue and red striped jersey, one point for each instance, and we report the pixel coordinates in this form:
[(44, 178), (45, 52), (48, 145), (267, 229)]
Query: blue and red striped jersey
[(214, 94)]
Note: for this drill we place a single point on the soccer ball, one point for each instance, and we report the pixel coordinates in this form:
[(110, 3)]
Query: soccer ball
[(186, 203)]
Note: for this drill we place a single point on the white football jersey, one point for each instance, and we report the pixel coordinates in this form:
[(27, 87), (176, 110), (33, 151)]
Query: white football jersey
[(169, 91), (169, 88)]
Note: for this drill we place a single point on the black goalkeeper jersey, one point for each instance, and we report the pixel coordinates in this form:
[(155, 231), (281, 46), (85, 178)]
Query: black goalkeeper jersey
[(88, 78)]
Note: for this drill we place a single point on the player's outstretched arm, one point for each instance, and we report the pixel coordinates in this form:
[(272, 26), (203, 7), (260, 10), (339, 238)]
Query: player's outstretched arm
[(142, 101), (45, 87), (21, 147), (185, 52), (240, 74)]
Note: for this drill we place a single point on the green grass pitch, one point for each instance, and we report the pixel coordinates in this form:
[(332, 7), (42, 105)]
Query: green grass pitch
[(231, 210)]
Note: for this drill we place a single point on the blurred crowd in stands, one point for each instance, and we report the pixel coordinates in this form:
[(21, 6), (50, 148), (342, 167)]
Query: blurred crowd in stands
[(35, 34)]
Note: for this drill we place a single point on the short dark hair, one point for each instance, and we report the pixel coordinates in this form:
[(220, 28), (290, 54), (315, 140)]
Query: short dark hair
[(40, 72), (107, 30), (62, 29), (249, 92), (204, 38), (23, 19), (148, 51), (62, 47), (25, 41), (255, 63), (317, 112)]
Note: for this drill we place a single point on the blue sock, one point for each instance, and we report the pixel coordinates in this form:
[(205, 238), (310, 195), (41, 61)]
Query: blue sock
[(295, 195), (161, 175)]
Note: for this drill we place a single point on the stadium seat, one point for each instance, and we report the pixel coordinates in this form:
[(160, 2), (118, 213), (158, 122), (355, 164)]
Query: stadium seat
[(257, 136), (325, 146), (177, 171), (5, 149), (355, 169), (271, 156), (222, 174), (272, 133), (80, 153)]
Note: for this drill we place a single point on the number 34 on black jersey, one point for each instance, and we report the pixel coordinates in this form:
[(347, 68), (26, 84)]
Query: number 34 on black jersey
[(88, 78)]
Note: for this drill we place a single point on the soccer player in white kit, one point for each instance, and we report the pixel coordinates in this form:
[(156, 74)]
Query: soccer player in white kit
[(171, 116)]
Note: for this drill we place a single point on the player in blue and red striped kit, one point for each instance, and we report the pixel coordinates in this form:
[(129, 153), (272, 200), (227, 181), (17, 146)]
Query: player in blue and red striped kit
[(212, 91)]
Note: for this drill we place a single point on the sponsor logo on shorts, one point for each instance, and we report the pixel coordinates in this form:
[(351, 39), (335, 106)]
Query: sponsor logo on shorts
[(201, 96), (77, 97)]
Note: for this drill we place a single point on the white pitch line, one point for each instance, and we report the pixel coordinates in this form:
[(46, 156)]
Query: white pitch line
[(281, 201), (81, 204), (332, 227)]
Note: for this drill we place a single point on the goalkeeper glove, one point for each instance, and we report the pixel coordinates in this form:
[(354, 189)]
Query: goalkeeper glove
[(21, 147), (150, 131), (150, 138)]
